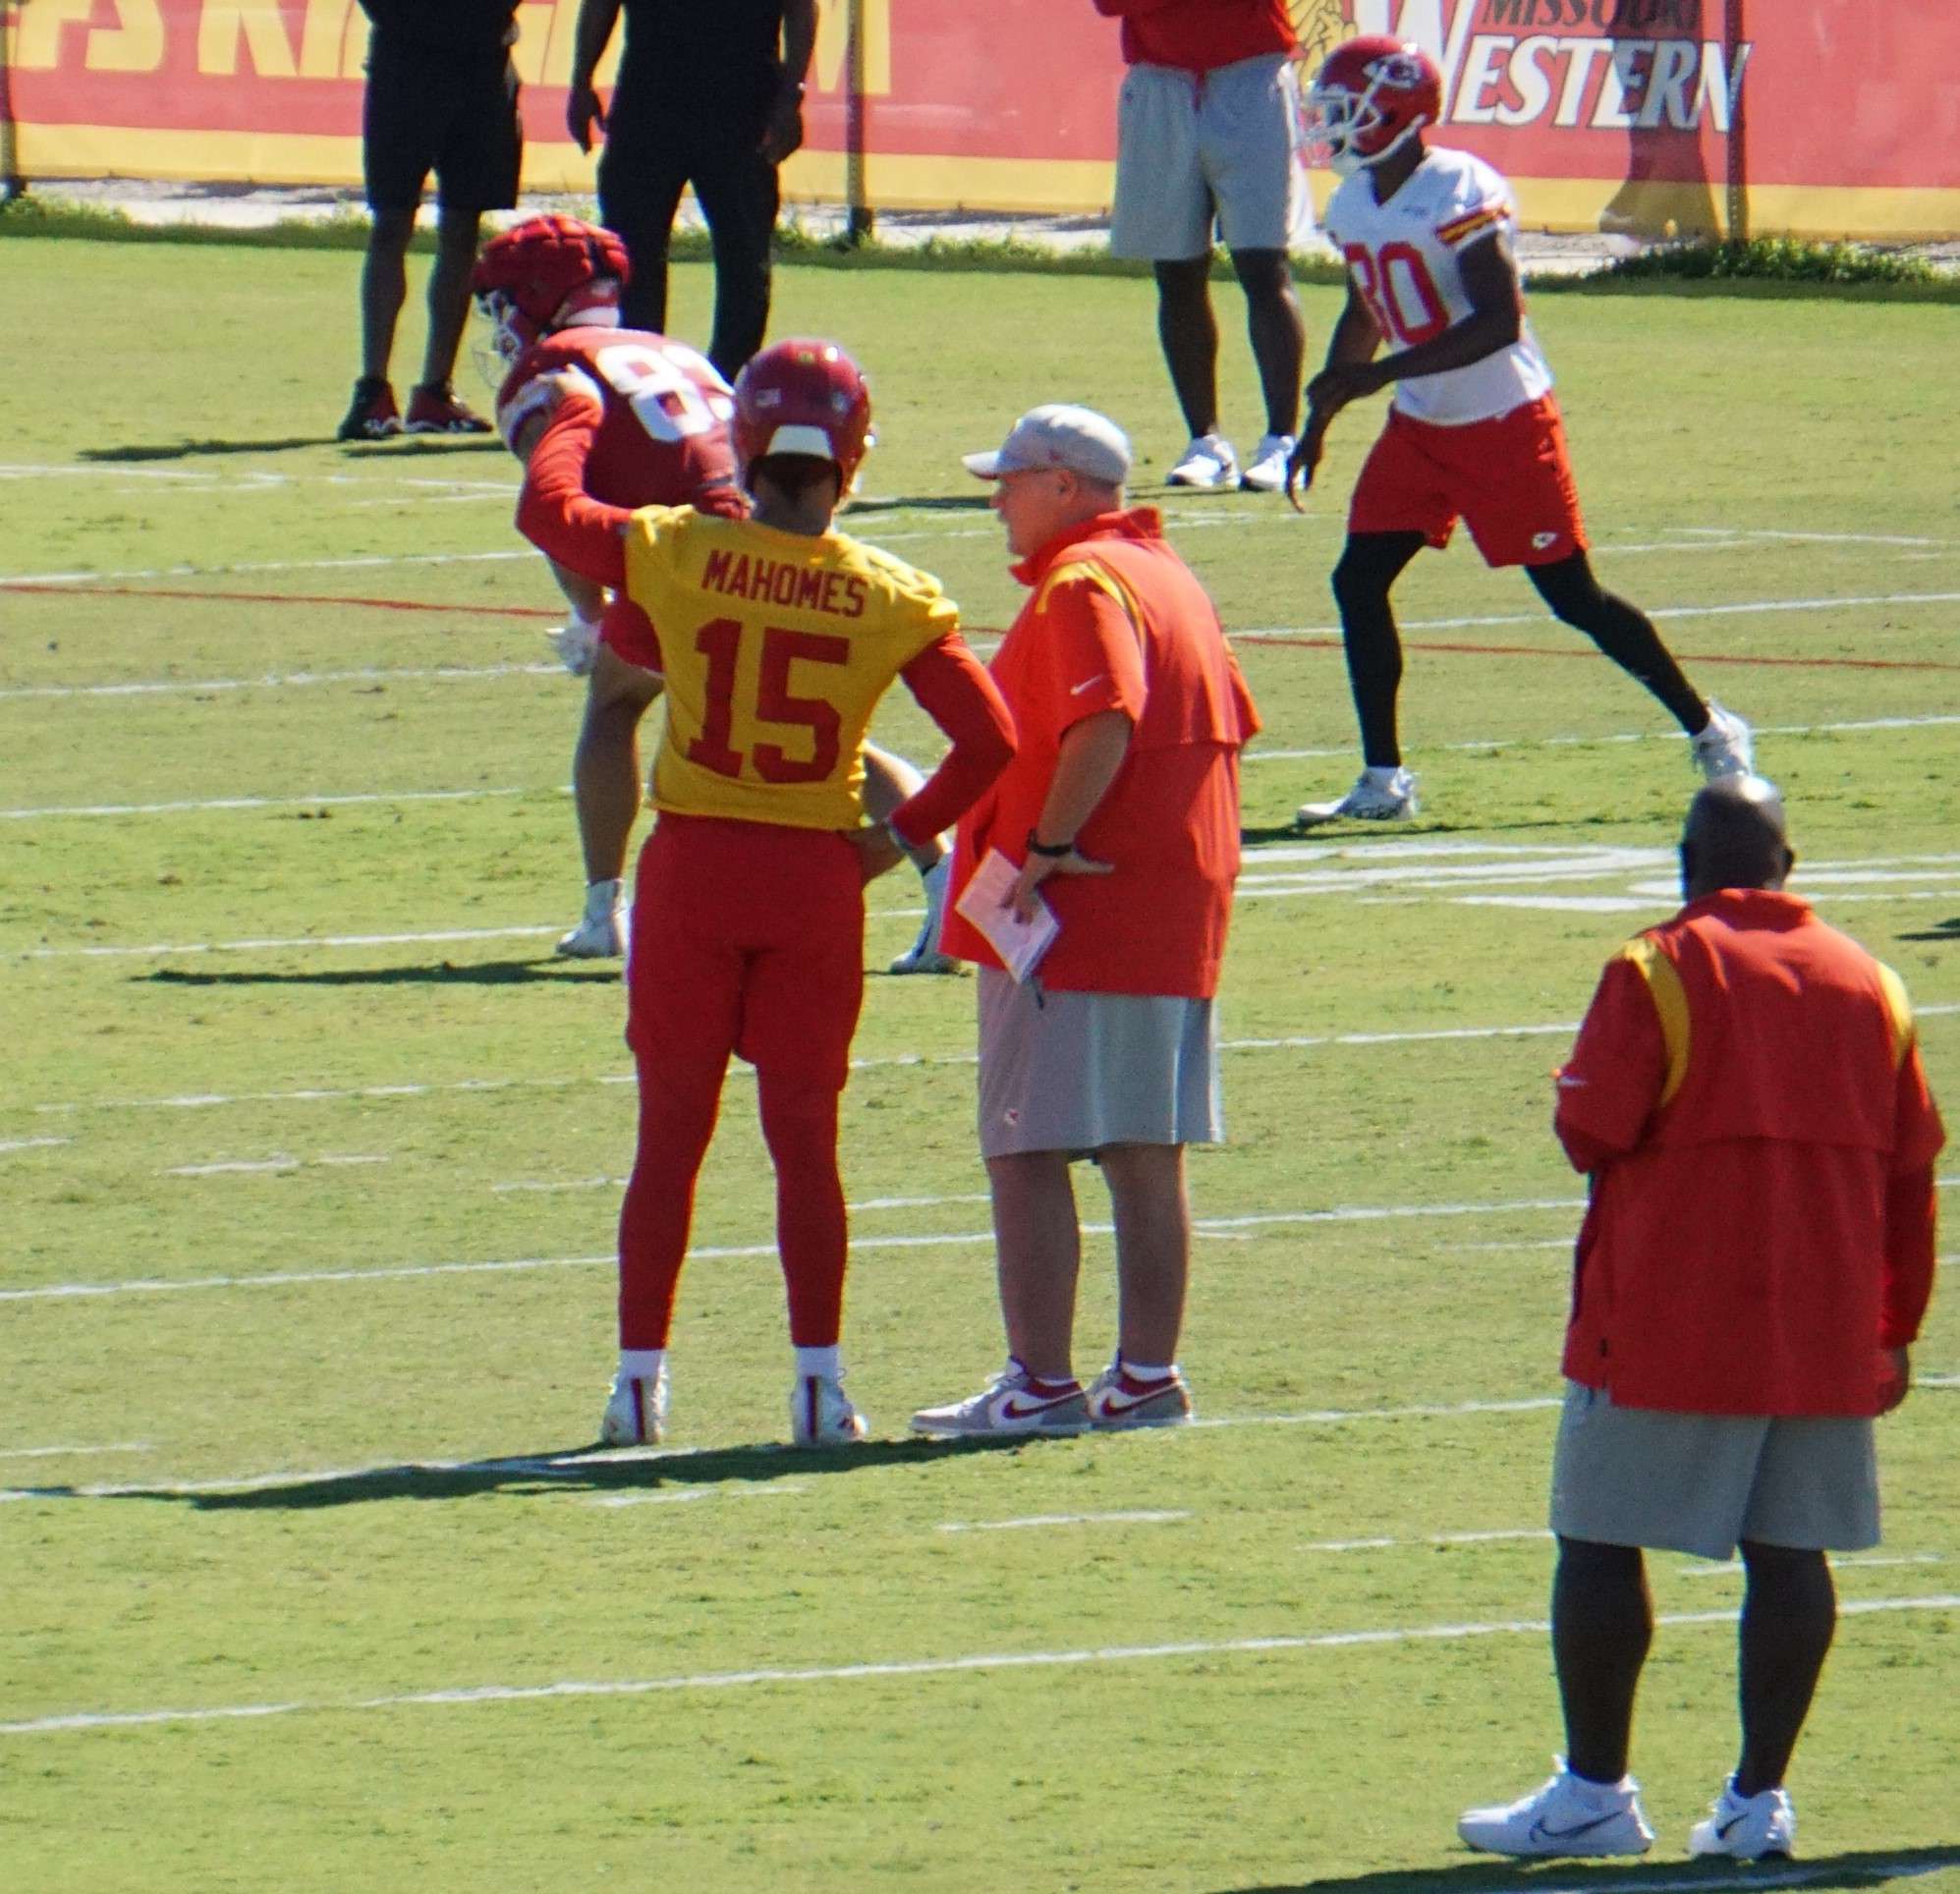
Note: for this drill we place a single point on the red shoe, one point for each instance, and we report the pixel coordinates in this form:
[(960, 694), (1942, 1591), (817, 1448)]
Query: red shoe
[(373, 416), (436, 411)]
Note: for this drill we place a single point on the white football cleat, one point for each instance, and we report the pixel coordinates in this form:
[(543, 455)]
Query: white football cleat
[(1569, 1816), (1750, 1828), (1371, 799), (1009, 1405), (601, 934), (924, 955), (636, 1413), (1266, 472), (1726, 748), (821, 1414), (1209, 460)]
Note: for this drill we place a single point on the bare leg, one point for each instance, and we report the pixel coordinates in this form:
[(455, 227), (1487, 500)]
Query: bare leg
[(1189, 332), (1153, 1214), (1278, 334), (1601, 1625), (605, 766), (891, 780), (1789, 1616), (449, 294), (384, 288), (1038, 1248)]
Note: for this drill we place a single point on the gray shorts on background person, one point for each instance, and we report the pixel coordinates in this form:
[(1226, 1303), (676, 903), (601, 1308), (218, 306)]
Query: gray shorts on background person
[(1073, 1072), (1701, 1483), (1194, 149)]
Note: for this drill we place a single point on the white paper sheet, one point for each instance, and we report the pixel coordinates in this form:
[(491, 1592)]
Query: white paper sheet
[(1019, 943)]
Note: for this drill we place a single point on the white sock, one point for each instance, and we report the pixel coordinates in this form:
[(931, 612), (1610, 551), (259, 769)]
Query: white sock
[(641, 1363), (826, 1364), (1382, 775), (1136, 1372), (601, 897)]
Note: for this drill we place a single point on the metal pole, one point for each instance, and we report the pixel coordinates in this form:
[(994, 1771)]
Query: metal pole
[(861, 220), (1735, 34)]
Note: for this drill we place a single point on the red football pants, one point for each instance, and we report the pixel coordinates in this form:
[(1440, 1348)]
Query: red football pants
[(750, 939)]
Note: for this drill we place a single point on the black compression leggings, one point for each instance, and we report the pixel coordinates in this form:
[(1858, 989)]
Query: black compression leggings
[(1372, 562)]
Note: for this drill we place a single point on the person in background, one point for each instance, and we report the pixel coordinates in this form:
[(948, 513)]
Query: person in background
[(1746, 1102)]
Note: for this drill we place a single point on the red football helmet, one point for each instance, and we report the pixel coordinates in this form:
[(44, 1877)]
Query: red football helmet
[(1371, 95), (537, 275), (802, 396)]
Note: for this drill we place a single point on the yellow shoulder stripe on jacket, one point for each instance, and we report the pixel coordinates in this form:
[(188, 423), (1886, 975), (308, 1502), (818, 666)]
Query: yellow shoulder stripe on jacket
[(1100, 576), (1900, 1010), (1670, 1003)]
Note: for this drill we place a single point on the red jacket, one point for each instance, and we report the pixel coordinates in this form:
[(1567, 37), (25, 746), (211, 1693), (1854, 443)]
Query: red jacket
[(1201, 35), (1748, 1099)]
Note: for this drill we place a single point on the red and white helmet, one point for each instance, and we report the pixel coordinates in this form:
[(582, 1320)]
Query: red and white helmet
[(1373, 95), (802, 396), (535, 276)]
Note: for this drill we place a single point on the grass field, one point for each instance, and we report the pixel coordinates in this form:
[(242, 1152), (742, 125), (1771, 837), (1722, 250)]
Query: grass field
[(311, 1152)]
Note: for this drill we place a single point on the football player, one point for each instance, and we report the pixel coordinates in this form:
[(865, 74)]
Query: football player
[(550, 289), (776, 635), (1473, 429)]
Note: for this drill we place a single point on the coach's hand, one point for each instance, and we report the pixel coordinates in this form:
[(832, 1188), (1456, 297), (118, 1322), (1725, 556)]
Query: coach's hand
[(878, 849), (584, 114), (1022, 897)]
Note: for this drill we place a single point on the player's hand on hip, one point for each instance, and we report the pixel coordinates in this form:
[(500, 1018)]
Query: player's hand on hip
[(783, 134), (584, 115), (1022, 897), (878, 849), (1895, 1377)]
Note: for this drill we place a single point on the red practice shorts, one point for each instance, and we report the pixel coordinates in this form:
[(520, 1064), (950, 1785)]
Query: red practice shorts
[(628, 633), (747, 938), (1507, 478)]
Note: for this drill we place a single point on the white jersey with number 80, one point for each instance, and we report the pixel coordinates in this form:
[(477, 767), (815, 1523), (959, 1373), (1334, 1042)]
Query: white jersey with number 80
[(1402, 260)]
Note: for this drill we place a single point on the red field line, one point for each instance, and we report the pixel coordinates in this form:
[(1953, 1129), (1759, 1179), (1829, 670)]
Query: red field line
[(1586, 650)]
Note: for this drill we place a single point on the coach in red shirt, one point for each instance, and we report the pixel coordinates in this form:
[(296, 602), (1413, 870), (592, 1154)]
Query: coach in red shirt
[(1123, 812), (1746, 1099)]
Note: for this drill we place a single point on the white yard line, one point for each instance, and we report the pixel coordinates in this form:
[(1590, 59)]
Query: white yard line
[(1506, 1536), (1386, 1636), (260, 801), (31, 1144), (275, 681), (258, 1166), (291, 943), (773, 1490), (73, 1453), (1061, 1518)]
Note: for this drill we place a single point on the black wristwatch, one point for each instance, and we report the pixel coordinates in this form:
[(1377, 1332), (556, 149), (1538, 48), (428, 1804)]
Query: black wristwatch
[(1048, 850)]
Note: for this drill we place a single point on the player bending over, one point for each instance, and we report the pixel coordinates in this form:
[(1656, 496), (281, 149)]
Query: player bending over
[(776, 637), (550, 288), (1473, 429)]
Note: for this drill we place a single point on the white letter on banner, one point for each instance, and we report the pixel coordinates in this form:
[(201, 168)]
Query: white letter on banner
[(1668, 84), (1581, 53), (1485, 50), (1719, 88), (263, 28), (1623, 75), (1529, 78)]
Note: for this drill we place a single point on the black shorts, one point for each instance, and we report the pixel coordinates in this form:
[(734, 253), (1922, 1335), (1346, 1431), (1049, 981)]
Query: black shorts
[(459, 121)]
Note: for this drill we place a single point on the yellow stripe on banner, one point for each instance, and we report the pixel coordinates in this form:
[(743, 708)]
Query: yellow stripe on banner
[(1670, 1002), (1900, 1010)]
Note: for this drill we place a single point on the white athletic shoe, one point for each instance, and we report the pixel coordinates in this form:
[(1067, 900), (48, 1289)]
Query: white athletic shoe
[(1371, 800), (1567, 1816), (924, 955), (1726, 748), (636, 1413), (1747, 1828), (821, 1414), (601, 932), (1266, 472), (1008, 1405), (1209, 460), (1117, 1400)]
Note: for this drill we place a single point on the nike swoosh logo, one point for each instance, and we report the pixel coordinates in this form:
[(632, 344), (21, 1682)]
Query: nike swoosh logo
[(1539, 1832), (1117, 1402), (1076, 690), (1014, 1408), (1734, 1822)]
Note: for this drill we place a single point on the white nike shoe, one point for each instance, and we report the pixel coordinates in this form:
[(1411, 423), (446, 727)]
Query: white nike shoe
[(1371, 800), (1011, 1403), (636, 1413), (1569, 1816), (1726, 748), (821, 1414), (602, 932), (924, 955), (1266, 472), (1747, 1828), (1118, 1400), (1209, 460)]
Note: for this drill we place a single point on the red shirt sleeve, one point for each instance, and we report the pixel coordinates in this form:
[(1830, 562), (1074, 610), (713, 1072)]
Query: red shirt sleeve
[(555, 513), (1609, 1086), (1911, 1205), (953, 689), (1088, 654)]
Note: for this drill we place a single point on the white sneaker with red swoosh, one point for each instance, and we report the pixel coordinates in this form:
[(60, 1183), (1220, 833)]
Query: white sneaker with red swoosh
[(1117, 1400), (1013, 1402), (1569, 1816)]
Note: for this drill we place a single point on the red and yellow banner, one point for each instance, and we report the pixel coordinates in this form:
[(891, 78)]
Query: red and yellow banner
[(1833, 118)]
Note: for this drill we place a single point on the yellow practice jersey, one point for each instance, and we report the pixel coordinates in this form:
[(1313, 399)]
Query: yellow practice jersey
[(777, 647)]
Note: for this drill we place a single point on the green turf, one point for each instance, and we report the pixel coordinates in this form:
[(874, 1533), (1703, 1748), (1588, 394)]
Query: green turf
[(1759, 467)]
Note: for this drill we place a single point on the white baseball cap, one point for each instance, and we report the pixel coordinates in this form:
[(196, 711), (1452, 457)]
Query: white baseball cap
[(1059, 435)]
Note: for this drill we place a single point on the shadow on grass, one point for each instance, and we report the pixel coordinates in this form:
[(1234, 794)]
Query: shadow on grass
[(1486, 1876), (1948, 930), (193, 450), (674, 1475), (489, 972)]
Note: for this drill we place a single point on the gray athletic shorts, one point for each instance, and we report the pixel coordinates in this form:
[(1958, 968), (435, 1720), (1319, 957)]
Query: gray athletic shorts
[(1698, 1482), (1073, 1072), (1197, 149)]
